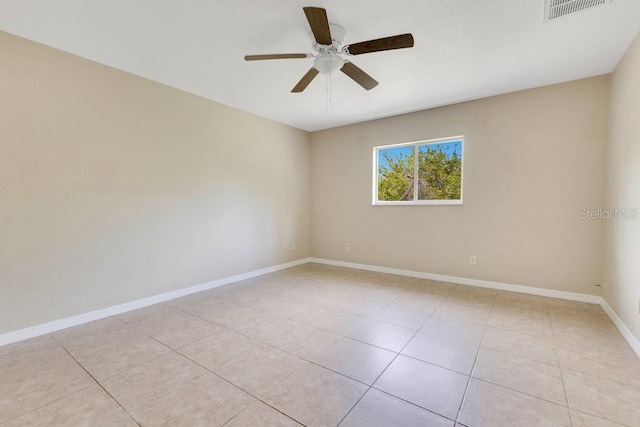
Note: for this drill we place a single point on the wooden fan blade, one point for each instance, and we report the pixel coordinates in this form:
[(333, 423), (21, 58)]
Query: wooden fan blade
[(304, 81), (319, 24), (359, 76), (388, 43), (275, 56)]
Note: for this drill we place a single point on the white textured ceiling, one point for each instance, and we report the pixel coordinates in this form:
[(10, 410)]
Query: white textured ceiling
[(464, 49)]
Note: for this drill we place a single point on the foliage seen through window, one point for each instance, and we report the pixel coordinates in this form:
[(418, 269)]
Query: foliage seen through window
[(439, 174)]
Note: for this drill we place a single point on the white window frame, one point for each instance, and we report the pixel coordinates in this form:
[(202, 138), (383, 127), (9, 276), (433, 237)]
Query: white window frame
[(415, 201)]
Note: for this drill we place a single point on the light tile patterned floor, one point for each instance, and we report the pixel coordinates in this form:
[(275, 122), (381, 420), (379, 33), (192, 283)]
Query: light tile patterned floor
[(326, 346)]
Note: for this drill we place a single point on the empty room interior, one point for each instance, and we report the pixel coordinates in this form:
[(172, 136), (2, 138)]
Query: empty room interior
[(322, 213)]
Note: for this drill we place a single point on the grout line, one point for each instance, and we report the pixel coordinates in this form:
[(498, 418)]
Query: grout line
[(235, 416), (103, 313), (466, 389), (394, 359), (520, 392), (172, 350), (96, 381), (54, 400), (564, 386), (273, 347), (253, 339), (345, 337), (240, 388), (288, 318), (7, 421), (411, 403), (339, 337)]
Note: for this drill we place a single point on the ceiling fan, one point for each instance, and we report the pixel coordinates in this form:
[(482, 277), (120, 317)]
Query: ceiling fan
[(329, 51)]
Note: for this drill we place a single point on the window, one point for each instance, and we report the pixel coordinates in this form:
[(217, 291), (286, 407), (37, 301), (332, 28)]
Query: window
[(438, 180)]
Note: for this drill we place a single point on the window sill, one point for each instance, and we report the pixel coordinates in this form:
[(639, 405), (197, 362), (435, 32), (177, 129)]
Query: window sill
[(420, 203)]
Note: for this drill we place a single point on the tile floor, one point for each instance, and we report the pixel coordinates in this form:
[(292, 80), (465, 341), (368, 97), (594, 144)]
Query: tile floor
[(325, 346)]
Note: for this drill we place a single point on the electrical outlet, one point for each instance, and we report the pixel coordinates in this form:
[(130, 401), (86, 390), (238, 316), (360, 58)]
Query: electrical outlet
[(346, 246), (473, 260), (294, 246)]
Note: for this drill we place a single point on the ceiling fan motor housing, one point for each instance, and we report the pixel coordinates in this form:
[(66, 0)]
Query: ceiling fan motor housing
[(329, 60), (337, 39)]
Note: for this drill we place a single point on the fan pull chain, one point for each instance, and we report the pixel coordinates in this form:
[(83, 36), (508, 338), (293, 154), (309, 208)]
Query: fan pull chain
[(328, 94), (329, 90), (330, 81)]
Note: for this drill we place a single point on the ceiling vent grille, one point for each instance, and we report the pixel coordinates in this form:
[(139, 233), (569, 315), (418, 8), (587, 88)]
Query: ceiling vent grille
[(558, 8)]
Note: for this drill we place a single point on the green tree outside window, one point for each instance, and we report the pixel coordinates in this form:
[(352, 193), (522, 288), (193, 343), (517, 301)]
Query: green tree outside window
[(439, 172)]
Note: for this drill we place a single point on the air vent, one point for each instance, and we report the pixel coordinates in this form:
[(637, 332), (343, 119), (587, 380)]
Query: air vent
[(558, 8)]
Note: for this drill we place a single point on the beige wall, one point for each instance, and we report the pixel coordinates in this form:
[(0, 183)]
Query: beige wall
[(622, 253), (115, 188), (533, 159)]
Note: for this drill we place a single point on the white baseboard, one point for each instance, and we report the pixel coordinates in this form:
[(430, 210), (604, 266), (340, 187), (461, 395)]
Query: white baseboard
[(624, 330), (572, 296), (57, 325), (593, 299)]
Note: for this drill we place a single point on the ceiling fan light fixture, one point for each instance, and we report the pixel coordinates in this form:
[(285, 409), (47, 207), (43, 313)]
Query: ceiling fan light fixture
[(328, 63), (328, 45)]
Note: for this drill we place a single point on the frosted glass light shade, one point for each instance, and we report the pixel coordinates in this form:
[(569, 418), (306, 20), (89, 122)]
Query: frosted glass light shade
[(327, 64)]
